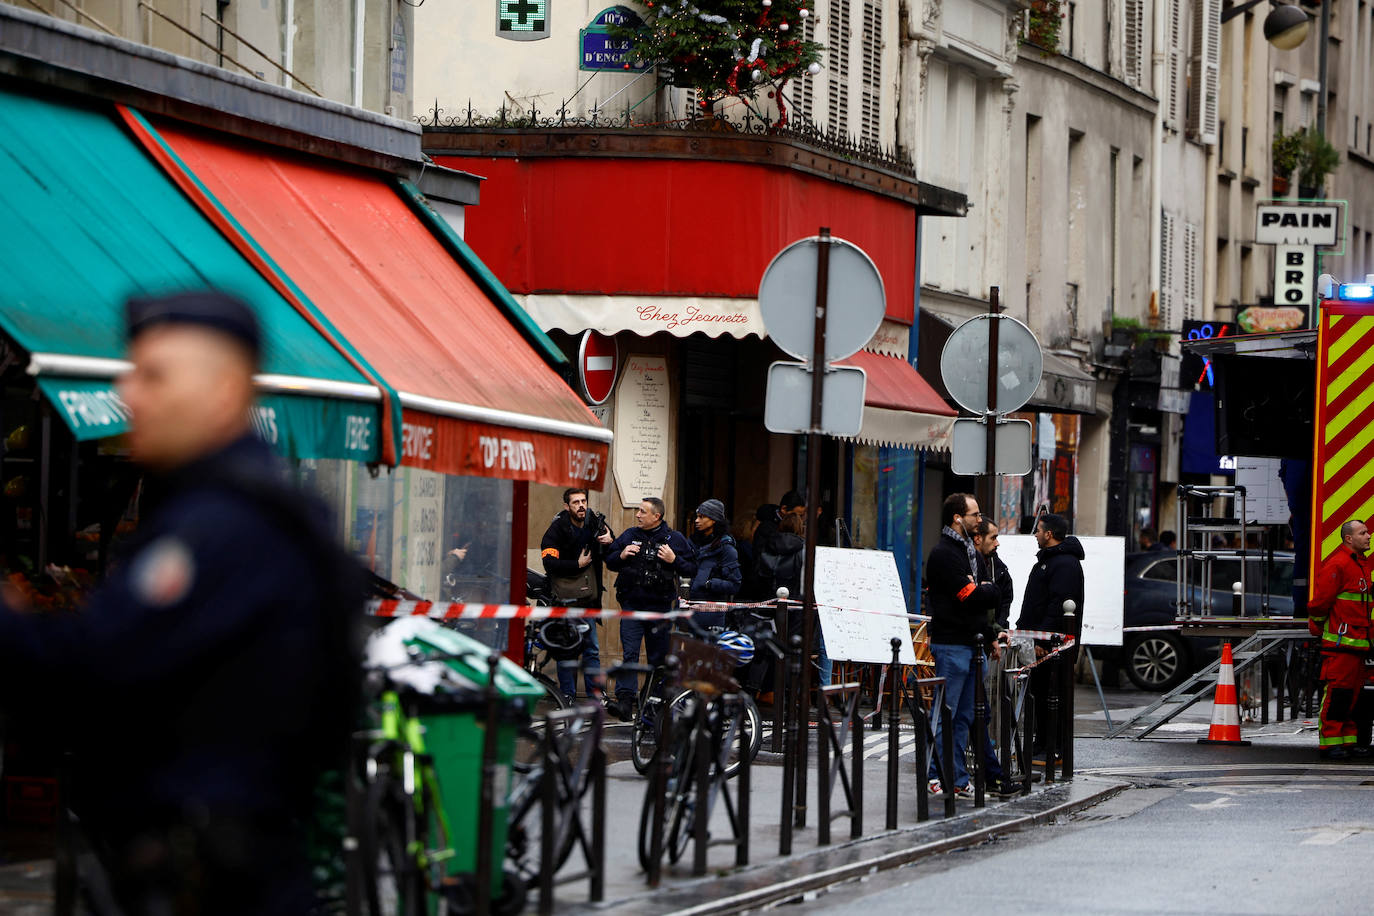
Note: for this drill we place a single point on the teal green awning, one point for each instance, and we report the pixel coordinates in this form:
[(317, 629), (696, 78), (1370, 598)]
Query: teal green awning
[(90, 219)]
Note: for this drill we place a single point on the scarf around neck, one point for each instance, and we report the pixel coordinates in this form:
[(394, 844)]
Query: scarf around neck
[(968, 547)]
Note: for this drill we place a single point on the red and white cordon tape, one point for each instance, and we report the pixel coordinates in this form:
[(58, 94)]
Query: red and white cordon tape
[(440, 610), (1067, 644)]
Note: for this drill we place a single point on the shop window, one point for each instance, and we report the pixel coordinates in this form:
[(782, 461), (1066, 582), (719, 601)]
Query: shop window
[(442, 537)]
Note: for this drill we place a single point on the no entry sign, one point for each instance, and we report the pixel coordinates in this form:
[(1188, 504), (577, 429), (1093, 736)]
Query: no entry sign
[(598, 359)]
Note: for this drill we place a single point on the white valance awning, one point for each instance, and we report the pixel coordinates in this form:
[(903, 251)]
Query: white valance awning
[(680, 316), (905, 429)]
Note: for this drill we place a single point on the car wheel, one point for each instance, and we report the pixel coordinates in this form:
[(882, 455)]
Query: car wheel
[(1157, 661)]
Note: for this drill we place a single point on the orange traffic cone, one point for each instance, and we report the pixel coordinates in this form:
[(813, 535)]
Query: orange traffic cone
[(1225, 714)]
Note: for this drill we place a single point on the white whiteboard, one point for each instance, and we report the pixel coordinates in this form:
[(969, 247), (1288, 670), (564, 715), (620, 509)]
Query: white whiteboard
[(1104, 581), (861, 606)]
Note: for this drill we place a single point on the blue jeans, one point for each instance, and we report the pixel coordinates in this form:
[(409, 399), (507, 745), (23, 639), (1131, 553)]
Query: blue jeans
[(955, 665), (591, 666), (654, 635)]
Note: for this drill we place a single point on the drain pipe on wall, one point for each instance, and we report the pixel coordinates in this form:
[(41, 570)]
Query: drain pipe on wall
[(1158, 60)]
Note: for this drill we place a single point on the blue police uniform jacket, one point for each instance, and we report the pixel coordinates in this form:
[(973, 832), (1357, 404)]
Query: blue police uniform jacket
[(196, 682)]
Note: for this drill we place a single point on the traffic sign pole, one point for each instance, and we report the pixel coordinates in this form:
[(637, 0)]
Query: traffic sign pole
[(813, 488), (991, 416)]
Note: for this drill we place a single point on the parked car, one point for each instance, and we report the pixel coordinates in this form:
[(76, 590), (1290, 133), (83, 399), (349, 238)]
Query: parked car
[(1160, 660)]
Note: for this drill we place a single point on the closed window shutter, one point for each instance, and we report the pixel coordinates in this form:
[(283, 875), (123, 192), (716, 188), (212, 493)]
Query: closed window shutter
[(1205, 62), (837, 79), (1166, 270), (691, 104), (805, 99), (870, 127), (1192, 299), (1133, 35), (1174, 96)]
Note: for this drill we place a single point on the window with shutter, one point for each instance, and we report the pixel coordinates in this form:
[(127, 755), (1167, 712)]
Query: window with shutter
[(1204, 64), (1173, 112), (1166, 269), (871, 125), (804, 99), (1133, 41), (691, 104), (1192, 265), (837, 77)]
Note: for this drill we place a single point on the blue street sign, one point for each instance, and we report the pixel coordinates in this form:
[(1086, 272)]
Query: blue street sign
[(600, 51)]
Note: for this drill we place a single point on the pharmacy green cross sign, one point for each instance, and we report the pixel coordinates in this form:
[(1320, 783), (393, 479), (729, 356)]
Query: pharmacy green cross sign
[(522, 20)]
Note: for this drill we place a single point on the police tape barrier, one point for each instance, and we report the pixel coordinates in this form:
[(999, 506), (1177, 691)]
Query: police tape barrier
[(440, 610)]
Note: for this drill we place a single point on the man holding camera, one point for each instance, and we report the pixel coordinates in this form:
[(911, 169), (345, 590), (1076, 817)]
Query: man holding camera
[(572, 552), (649, 558)]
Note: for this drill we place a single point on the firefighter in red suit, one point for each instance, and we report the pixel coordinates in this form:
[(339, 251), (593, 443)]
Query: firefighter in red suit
[(1339, 613)]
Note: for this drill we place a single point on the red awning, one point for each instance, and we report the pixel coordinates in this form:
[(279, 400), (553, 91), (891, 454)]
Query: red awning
[(478, 399), (900, 407)]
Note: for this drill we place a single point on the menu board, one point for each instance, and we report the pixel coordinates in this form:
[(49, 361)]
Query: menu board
[(424, 538), (641, 446)]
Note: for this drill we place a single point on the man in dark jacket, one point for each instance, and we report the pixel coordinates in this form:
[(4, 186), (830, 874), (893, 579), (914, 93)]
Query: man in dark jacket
[(206, 677), (962, 602), (1057, 577), (649, 558), (572, 550)]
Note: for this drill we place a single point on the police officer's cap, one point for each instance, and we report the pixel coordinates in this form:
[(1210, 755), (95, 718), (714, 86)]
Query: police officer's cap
[(209, 308)]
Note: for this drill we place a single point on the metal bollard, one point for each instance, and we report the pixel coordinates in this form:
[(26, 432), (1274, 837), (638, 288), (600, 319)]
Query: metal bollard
[(1051, 726), (598, 877), (779, 675), (742, 778), (1066, 666), (486, 808), (856, 776), (663, 764), (701, 779), (823, 776), (790, 743), (947, 742), (548, 791), (978, 739), (894, 717), (921, 720)]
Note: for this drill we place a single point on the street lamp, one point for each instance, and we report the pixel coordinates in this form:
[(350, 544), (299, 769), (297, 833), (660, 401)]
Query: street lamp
[(1285, 28)]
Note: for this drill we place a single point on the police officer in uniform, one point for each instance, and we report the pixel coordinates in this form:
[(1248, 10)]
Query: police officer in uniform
[(213, 674)]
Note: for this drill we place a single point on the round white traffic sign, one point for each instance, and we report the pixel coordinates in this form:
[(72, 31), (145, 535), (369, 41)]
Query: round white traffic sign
[(964, 364), (855, 303)]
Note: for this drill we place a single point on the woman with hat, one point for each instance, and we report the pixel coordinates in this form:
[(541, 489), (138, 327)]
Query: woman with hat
[(718, 572)]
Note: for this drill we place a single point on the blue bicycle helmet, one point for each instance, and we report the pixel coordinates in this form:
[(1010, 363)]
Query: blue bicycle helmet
[(738, 645)]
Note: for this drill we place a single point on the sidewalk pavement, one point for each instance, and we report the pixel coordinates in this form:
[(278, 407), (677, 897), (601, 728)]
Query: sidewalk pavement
[(770, 878), (26, 888)]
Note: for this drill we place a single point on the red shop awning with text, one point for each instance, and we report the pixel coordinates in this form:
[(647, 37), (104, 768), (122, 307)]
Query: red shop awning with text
[(478, 399)]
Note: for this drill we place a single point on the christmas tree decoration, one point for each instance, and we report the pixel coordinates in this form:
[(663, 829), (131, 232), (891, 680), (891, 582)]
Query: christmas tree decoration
[(725, 48)]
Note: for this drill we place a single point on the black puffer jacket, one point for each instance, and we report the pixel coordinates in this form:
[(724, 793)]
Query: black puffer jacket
[(997, 571), (1056, 577), (959, 607)]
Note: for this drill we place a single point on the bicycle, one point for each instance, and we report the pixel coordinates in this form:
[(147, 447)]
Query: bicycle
[(658, 706), (555, 640), (713, 702), (404, 838), (525, 823)]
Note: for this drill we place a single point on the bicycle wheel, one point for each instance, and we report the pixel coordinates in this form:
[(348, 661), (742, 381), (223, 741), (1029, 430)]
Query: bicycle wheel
[(749, 737), (393, 883), (529, 740), (649, 724), (525, 825), (678, 803)]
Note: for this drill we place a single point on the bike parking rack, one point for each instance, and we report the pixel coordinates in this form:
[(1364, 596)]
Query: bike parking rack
[(830, 741), (711, 783), (572, 756)]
